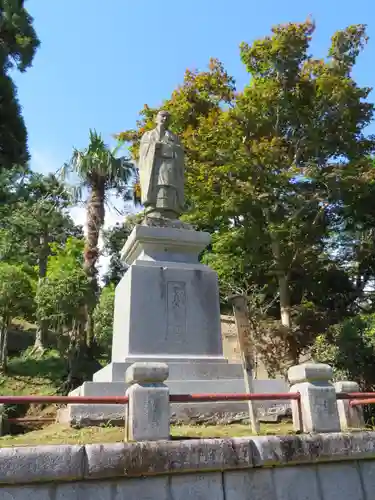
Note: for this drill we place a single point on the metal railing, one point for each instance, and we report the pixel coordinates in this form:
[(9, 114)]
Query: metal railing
[(203, 398), (355, 395), (173, 398), (355, 399)]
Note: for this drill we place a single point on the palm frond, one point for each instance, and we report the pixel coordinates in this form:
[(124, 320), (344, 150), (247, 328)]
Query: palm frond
[(97, 164)]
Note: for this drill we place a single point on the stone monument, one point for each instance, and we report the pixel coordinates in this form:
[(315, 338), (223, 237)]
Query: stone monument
[(167, 303)]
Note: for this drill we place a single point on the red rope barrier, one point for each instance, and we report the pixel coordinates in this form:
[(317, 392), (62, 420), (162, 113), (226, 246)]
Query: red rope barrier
[(355, 395), (111, 400), (355, 399), (359, 402), (174, 398), (184, 398)]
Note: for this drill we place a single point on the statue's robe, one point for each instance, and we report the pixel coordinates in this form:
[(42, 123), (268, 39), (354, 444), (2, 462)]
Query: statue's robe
[(161, 172)]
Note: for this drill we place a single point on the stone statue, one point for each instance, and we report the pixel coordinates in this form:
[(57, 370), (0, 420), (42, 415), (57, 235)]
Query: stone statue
[(161, 171)]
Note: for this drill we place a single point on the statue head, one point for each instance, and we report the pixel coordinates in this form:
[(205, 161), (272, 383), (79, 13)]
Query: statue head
[(163, 118)]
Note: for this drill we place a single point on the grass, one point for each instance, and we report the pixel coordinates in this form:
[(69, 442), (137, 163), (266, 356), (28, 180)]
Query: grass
[(31, 375), (42, 375), (62, 434)]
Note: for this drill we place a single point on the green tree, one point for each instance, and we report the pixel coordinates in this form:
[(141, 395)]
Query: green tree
[(114, 240), (103, 319), (61, 300), (353, 222), (349, 347), (19, 40), (39, 218), (16, 299), (18, 44), (99, 172), (13, 133), (263, 163), (60, 295)]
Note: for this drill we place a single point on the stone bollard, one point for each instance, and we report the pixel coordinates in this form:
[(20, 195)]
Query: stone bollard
[(147, 413), (350, 417), (317, 409)]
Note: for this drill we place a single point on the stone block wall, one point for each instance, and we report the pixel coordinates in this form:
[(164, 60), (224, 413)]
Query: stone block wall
[(306, 467)]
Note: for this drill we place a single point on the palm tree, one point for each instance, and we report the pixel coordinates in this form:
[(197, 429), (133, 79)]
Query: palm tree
[(99, 172)]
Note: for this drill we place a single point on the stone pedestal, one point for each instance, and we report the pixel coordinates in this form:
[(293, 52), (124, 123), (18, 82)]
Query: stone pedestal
[(167, 310), (147, 413), (167, 303), (316, 411), (166, 307), (350, 417)]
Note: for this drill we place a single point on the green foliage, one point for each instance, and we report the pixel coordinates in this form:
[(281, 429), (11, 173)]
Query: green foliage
[(61, 295), (98, 167), (61, 299), (16, 299), (38, 217), (16, 292), (13, 133), (349, 348), (19, 41), (65, 259), (265, 168), (114, 240), (103, 319), (18, 44)]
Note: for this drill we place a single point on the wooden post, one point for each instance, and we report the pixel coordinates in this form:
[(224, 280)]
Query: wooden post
[(241, 316)]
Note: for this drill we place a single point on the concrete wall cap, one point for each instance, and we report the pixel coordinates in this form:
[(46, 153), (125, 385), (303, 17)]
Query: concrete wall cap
[(74, 463), (143, 372), (41, 464), (161, 457), (346, 386), (309, 372), (311, 448), (200, 455)]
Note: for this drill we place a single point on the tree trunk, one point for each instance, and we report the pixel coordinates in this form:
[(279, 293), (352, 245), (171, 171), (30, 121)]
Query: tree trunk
[(81, 365), (284, 300), (284, 295), (95, 221), (4, 343), (282, 278), (2, 335), (42, 325)]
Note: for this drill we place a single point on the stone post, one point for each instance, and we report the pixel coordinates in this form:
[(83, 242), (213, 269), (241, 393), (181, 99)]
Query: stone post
[(147, 413), (350, 417), (317, 409)]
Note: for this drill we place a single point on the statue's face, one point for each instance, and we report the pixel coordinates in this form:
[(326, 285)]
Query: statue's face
[(162, 118)]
